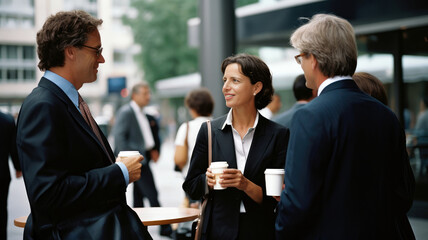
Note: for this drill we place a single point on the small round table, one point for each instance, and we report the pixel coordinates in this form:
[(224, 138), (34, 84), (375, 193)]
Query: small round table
[(150, 216), (166, 215)]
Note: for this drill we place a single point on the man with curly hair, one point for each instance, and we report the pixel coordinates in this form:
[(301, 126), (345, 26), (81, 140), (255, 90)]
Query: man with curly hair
[(75, 187)]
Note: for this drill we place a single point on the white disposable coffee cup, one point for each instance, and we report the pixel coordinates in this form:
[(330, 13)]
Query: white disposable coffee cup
[(217, 169), (274, 180), (123, 154)]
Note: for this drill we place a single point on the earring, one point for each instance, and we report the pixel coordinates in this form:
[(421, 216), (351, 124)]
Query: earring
[(255, 94)]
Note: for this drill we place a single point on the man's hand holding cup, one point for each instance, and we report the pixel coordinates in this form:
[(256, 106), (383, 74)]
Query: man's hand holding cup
[(132, 161)]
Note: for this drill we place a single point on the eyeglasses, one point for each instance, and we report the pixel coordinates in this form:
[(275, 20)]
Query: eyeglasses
[(98, 50), (299, 58)]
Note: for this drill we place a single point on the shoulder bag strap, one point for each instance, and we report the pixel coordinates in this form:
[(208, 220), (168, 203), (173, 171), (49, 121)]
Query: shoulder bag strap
[(198, 231), (210, 148)]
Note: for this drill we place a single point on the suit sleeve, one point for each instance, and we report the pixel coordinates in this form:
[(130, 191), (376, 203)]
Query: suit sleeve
[(405, 181), (121, 131), (303, 175), (195, 182), (13, 150), (51, 185)]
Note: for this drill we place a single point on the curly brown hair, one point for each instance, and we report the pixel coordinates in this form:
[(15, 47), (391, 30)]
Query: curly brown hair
[(62, 30), (257, 71)]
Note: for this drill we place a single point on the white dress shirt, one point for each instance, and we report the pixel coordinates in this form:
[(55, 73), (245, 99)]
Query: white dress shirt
[(146, 131), (329, 81), (242, 146)]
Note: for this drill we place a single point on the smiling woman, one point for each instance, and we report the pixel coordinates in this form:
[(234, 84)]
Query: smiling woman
[(250, 144)]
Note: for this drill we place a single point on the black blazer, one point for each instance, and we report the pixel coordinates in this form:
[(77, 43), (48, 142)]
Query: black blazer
[(347, 175), (268, 150), (7, 147), (74, 191)]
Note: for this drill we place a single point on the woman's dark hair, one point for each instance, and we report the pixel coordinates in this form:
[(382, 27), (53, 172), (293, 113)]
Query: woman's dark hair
[(201, 101), (257, 71), (62, 30)]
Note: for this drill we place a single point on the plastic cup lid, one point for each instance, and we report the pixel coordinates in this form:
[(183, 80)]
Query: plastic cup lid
[(128, 153), (274, 171)]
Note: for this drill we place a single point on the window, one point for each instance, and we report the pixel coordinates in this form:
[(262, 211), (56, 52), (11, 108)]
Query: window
[(29, 74), (12, 74), (17, 63), (28, 52), (12, 52)]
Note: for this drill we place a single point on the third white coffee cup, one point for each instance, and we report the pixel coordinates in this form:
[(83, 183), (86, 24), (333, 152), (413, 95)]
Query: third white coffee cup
[(274, 180)]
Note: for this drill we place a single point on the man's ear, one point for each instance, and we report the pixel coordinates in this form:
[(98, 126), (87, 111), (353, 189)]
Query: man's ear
[(314, 62), (70, 52)]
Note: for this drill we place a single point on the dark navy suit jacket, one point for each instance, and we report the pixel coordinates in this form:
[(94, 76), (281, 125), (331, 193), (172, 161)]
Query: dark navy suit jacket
[(347, 174), (74, 191), (268, 150), (7, 147)]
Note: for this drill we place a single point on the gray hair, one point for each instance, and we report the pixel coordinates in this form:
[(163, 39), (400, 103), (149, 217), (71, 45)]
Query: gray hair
[(136, 87), (331, 40)]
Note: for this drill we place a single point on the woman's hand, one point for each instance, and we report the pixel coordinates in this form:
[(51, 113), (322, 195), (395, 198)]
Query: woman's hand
[(210, 178), (233, 178)]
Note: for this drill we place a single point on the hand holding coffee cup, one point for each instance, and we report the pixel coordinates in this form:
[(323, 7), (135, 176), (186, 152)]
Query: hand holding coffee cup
[(216, 169), (132, 161), (274, 181), (234, 178)]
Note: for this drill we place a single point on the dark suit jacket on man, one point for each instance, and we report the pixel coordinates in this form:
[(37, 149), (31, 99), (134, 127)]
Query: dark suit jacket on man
[(223, 209), (347, 174), (285, 118), (128, 137), (7, 148), (127, 133), (74, 191)]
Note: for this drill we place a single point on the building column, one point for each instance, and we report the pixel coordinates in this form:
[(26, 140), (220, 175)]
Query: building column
[(217, 41)]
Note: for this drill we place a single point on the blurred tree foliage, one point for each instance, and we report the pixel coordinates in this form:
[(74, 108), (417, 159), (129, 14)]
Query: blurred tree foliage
[(160, 28)]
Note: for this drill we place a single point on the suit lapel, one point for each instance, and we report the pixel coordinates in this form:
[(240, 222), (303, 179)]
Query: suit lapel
[(224, 144), (77, 116), (261, 140)]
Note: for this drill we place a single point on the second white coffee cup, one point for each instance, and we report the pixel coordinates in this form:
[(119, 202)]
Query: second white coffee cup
[(217, 169), (274, 180)]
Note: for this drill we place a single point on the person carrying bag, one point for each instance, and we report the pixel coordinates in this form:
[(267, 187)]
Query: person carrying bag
[(244, 145)]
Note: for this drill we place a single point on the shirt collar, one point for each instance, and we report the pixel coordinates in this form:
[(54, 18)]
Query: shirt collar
[(135, 106), (329, 81), (64, 85), (229, 120)]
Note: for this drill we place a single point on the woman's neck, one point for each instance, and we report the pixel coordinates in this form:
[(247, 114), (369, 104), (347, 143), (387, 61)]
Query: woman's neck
[(243, 119)]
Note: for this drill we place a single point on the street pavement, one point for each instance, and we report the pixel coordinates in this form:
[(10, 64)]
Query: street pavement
[(168, 184)]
